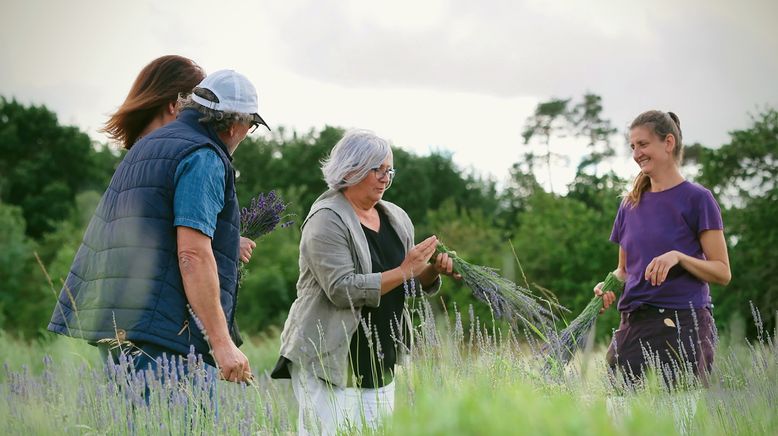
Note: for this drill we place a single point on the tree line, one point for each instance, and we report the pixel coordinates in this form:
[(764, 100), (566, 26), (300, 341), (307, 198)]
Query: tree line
[(52, 176)]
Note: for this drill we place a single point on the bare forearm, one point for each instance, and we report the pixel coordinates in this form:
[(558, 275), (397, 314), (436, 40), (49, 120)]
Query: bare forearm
[(414, 265), (201, 285), (712, 271), (391, 279)]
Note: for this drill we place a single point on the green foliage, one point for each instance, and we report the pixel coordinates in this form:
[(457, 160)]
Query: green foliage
[(16, 262), (43, 164), (269, 286), (293, 162), (515, 197), (51, 177), (476, 239), (587, 120), (546, 119), (424, 183), (563, 246), (284, 162), (743, 173)]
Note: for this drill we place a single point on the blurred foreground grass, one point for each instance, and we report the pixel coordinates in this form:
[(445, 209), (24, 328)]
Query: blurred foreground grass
[(454, 385)]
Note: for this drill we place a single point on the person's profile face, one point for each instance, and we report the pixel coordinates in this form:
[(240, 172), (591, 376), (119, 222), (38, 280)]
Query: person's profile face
[(649, 151), (238, 133), (377, 181)]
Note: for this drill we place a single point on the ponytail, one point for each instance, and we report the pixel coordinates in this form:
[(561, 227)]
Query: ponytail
[(640, 185)]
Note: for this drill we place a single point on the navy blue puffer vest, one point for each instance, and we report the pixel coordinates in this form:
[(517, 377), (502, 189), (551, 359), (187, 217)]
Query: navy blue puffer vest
[(125, 277)]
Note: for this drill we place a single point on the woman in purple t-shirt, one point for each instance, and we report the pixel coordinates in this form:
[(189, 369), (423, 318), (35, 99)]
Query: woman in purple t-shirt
[(671, 245)]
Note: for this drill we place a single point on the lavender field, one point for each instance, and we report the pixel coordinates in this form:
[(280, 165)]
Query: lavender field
[(490, 382)]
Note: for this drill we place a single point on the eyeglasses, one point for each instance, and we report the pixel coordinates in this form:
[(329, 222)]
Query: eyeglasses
[(382, 174), (253, 127)]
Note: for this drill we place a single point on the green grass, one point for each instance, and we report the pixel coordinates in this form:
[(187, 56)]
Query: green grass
[(454, 385)]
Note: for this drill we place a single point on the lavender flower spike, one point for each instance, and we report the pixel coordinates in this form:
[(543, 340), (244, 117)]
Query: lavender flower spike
[(264, 213)]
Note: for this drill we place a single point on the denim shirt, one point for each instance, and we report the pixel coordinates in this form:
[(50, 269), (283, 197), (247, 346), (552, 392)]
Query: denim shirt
[(199, 195)]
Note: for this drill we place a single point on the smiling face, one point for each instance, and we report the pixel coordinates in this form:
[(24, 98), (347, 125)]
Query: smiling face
[(649, 151)]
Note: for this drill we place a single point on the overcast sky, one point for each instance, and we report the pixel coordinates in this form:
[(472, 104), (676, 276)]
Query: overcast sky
[(427, 74)]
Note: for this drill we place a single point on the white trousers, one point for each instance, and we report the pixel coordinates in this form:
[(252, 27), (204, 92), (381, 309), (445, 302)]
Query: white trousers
[(325, 409)]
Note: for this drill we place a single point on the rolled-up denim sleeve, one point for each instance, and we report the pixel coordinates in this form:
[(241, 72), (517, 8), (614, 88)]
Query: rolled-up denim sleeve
[(326, 249), (199, 192)]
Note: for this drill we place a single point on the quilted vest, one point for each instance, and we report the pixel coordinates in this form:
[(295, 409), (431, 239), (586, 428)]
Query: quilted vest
[(125, 280)]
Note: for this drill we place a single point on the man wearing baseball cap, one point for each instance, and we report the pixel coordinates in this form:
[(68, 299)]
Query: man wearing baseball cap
[(156, 272)]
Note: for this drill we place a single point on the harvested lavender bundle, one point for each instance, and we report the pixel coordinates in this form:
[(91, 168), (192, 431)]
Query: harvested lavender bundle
[(508, 300), (561, 346), (264, 213)]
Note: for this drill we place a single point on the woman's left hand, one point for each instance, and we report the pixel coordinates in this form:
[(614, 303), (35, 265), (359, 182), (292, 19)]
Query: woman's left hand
[(246, 249), (657, 269), (445, 265)]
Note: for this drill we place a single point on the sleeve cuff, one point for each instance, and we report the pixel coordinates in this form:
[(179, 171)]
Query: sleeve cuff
[(434, 287), (372, 289), (192, 224)]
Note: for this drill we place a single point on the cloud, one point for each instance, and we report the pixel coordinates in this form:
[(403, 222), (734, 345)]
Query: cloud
[(458, 75), (710, 61)]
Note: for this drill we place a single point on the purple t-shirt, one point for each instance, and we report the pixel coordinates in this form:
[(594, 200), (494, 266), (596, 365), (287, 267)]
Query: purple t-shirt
[(661, 222)]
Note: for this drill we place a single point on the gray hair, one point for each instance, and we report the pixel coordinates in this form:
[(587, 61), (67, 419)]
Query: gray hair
[(219, 120), (353, 157)]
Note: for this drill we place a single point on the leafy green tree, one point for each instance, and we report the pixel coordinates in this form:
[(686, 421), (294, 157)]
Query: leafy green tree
[(283, 162), (551, 117), (563, 246), (473, 236), (44, 164), (17, 265), (588, 122), (424, 183), (514, 198), (743, 175), (269, 286), (294, 161)]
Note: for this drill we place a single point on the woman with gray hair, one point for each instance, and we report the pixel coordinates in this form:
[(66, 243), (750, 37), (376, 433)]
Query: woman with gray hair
[(357, 256)]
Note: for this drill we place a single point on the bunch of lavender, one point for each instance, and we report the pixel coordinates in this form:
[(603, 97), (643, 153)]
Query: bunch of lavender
[(561, 346), (264, 213), (507, 300)]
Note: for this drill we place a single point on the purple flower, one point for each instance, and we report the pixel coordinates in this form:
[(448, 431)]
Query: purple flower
[(264, 213)]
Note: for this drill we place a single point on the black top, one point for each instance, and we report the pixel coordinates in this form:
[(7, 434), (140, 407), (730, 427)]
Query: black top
[(373, 365)]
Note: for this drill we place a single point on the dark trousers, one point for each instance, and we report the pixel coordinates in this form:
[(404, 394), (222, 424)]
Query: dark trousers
[(674, 342)]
